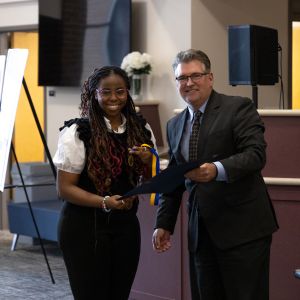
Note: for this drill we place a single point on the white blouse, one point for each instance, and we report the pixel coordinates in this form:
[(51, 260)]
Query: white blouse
[(70, 153)]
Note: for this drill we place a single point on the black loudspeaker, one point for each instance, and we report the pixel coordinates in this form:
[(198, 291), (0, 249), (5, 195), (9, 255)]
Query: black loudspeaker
[(253, 55)]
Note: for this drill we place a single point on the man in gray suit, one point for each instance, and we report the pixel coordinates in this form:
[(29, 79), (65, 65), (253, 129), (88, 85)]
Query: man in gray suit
[(231, 217)]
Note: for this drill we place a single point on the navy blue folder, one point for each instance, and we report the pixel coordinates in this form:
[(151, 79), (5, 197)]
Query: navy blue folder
[(164, 182)]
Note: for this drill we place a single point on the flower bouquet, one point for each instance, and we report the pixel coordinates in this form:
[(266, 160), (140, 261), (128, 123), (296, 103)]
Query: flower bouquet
[(135, 64)]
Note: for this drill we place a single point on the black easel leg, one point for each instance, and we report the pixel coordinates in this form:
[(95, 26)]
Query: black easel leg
[(32, 214)]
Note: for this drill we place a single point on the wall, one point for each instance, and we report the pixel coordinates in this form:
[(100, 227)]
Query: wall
[(167, 27), (164, 28), (161, 37), (210, 19), (172, 25), (18, 14)]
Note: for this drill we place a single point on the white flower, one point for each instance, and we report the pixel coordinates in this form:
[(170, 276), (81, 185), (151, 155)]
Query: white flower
[(137, 63)]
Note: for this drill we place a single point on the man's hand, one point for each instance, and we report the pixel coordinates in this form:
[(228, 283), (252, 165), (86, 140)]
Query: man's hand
[(204, 173), (161, 240)]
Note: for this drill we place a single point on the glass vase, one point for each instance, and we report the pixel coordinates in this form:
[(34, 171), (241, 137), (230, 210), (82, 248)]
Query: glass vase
[(136, 87)]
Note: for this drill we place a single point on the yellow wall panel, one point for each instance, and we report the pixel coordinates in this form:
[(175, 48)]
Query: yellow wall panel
[(27, 141), (296, 67)]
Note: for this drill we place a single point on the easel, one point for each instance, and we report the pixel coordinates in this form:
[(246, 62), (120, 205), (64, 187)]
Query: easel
[(21, 176)]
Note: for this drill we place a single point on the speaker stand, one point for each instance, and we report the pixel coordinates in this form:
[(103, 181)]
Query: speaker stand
[(254, 95)]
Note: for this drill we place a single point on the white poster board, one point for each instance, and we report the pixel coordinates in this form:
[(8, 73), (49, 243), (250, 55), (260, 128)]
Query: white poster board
[(2, 67), (13, 71)]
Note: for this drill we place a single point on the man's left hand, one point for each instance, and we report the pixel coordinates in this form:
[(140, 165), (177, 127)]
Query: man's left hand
[(204, 173)]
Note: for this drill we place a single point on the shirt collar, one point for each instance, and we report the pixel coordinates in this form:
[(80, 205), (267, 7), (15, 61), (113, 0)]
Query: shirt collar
[(121, 128), (202, 109)]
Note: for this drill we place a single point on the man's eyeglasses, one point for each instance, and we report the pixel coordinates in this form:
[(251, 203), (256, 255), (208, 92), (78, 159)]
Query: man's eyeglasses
[(107, 93), (194, 77)]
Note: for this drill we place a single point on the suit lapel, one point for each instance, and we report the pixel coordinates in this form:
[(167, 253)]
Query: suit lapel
[(210, 114), (177, 135)]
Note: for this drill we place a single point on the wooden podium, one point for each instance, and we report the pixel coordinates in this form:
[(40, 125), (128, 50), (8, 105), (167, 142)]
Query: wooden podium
[(166, 276), (282, 176), (150, 111)]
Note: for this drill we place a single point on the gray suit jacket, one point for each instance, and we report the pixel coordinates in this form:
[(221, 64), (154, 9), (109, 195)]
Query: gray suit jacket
[(236, 211)]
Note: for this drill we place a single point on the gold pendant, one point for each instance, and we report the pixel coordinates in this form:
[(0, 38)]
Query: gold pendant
[(130, 160), (107, 182)]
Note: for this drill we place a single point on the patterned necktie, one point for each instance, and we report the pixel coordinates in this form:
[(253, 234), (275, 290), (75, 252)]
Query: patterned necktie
[(193, 144)]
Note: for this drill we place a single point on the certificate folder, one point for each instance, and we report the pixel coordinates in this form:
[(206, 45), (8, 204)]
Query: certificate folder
[(164, 182)]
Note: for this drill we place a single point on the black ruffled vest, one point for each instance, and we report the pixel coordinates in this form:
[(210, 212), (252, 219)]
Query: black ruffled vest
[(119, 185)]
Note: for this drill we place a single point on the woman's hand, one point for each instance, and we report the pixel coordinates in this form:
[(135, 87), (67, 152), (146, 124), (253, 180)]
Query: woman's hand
[(142, 152), (112, 202)]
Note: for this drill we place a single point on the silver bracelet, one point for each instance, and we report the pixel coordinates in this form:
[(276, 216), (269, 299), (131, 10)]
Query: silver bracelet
[(104, 207)]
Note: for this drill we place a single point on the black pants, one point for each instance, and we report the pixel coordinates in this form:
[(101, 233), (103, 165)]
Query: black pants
[(239, 273), (101, 251)]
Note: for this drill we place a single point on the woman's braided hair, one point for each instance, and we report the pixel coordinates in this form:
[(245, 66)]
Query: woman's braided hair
[(104, 158)]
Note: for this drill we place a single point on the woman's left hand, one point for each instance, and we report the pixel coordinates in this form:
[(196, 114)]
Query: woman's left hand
[(142, 152), (113, 202)]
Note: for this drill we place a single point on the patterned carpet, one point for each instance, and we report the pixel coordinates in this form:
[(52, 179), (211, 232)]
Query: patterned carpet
[(24, 273)]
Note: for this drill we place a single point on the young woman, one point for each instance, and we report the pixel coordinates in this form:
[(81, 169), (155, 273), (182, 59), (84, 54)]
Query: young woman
[(99, 158)]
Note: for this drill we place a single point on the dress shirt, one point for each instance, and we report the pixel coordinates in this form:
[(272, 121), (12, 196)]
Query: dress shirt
[(184, 144)]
